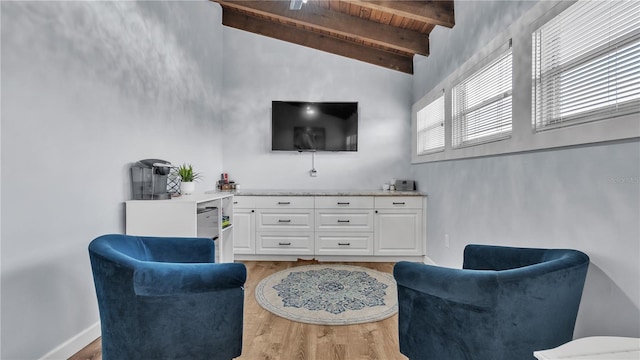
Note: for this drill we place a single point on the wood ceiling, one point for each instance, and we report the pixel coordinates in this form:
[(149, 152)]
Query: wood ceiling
[(385, 33)]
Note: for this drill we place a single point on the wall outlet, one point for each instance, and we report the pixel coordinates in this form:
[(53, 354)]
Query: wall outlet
[(313, 173), (446, 241)]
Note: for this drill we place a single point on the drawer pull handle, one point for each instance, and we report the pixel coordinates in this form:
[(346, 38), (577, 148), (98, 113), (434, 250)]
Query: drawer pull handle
[(284, 244), (235, 203), (399, 203), (284, 221), (343, 221), (343, 203), (344, 244), (284, 202)]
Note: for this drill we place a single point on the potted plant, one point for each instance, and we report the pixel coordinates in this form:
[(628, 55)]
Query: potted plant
[(188, 178)]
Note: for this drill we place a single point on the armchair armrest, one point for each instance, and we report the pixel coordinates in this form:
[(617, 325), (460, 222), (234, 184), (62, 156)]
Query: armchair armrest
[(471, 287), (155, 279)]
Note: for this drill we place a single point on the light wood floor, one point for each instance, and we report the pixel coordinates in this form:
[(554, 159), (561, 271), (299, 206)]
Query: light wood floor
[(269, 337)]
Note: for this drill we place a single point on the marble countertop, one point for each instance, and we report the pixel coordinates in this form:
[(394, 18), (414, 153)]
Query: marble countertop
[(308, 192)]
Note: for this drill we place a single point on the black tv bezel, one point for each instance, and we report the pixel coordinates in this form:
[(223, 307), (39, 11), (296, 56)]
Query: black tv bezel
[(357, 107)]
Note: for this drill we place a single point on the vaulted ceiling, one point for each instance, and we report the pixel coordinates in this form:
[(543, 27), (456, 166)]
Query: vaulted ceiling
[(386, 33)]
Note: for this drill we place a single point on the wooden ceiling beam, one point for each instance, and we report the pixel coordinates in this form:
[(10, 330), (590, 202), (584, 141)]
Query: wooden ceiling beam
[(438, 12), (233, 18), (319, 17)]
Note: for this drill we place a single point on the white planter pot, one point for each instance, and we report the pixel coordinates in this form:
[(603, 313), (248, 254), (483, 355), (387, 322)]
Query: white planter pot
[(187, 187)]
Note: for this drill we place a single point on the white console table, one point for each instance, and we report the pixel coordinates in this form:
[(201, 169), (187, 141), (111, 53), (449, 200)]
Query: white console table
[(592, 348), (178, 217)]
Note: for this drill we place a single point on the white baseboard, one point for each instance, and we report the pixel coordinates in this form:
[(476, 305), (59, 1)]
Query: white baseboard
[(428, 261), (75, 344)]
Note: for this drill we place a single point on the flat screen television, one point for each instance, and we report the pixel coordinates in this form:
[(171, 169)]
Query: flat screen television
[(314, 126)]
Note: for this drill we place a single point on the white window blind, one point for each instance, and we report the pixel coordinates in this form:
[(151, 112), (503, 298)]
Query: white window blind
[(586, 64), (430, 127), (482, 104)]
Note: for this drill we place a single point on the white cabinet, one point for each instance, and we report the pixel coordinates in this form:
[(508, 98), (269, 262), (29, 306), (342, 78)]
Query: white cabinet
[(198, 215), (244, 223), (358, 227), (398, 226)]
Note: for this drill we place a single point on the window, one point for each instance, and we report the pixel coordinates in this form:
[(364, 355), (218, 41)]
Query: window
[(572, 77), (482, 104), (586, 64), (430, 127)]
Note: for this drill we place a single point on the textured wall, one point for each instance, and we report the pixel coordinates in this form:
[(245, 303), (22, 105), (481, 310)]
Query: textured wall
[(582, 197), (87, 89), (259, 70)]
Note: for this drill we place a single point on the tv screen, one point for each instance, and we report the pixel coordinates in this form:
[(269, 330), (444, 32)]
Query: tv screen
[(314, 126)]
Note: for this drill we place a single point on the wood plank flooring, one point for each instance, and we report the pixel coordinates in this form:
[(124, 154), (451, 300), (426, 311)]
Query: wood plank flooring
[(269, 337)]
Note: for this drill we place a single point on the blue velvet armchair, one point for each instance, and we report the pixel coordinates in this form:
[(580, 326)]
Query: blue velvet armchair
[(504, 304), (165, 298)]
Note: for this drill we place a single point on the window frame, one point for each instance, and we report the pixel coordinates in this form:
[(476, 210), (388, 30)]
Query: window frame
[(459, 119), (551, 79), (433, 127)]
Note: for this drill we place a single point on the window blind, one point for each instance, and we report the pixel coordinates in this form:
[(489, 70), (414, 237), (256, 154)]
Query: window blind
[(430, 127), (586, 64), (482, 104)]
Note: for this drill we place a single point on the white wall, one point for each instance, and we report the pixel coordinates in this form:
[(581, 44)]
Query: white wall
[(258, 70), (87, 89), (583, 197)]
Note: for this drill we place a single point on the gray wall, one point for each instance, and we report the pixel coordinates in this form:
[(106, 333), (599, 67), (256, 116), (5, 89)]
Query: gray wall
[(259, 69), (584, 197), (87, 89)]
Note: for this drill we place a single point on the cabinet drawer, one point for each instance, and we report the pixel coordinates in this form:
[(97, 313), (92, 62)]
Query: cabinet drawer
[(244, 202), (291, 220), (334, 243), (283, 244), (344, 202), (284, 202), (344, 220), (398, 202)]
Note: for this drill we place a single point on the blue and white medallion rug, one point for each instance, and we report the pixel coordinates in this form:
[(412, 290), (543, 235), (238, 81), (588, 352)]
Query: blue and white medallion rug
[(329, 294)]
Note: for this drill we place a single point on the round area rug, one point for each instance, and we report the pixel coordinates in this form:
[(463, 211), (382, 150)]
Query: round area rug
[(329, 294)]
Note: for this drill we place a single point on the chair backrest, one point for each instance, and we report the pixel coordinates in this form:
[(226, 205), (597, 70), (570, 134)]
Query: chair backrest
[(127, 248), (487, 257)]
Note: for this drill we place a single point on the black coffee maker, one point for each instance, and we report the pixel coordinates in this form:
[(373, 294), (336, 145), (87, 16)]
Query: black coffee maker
[(149, 179)]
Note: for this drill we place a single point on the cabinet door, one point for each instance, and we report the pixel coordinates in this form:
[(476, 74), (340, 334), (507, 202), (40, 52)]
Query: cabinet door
[(398, 233), (244, 231)]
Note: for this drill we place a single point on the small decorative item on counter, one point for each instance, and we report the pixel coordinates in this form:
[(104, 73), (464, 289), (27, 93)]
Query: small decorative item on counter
[(225, 184), (188, 178)]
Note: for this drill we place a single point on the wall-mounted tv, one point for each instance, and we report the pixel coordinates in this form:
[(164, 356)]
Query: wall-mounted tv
[(314, 126)]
